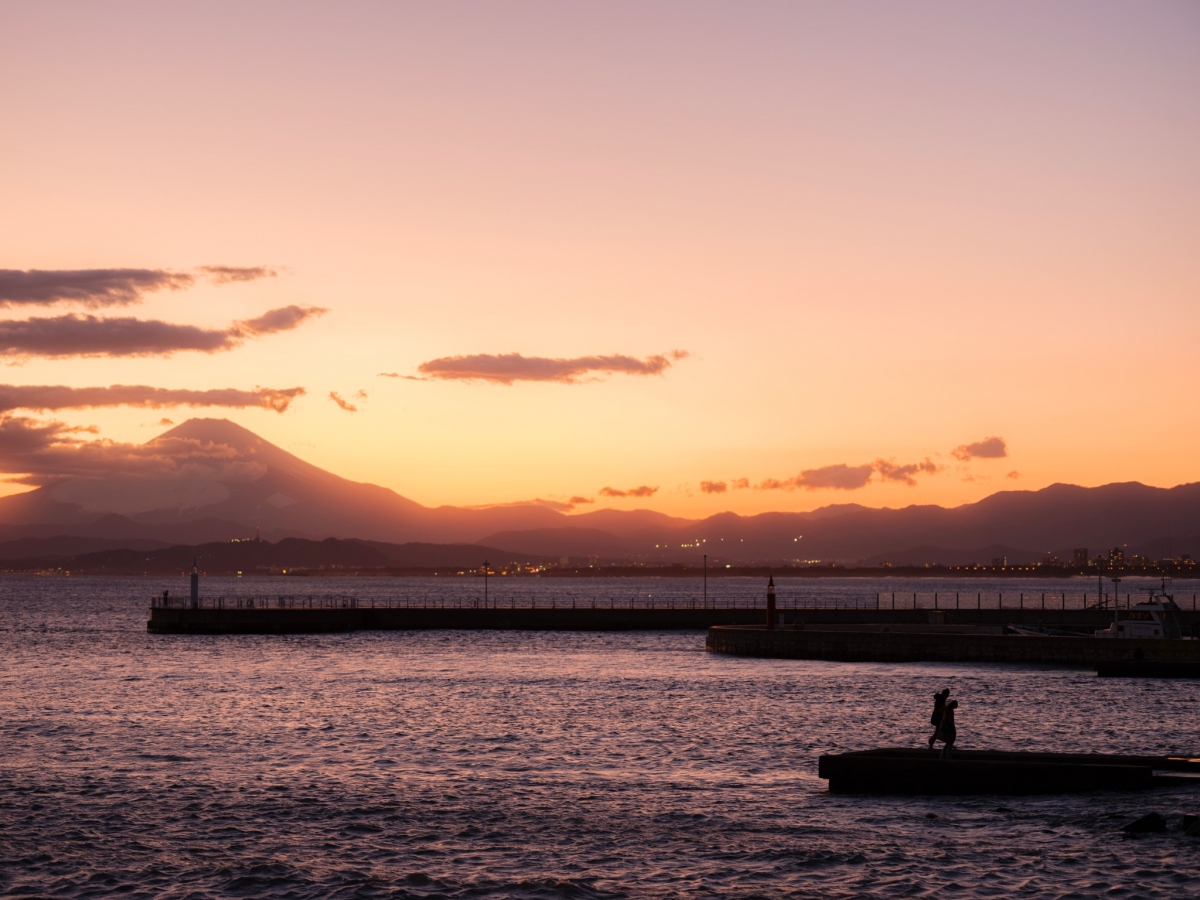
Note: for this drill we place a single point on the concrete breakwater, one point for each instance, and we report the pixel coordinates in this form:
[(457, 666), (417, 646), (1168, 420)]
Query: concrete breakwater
[(174, 620), (265, 617), (881, 645), (907, 771)]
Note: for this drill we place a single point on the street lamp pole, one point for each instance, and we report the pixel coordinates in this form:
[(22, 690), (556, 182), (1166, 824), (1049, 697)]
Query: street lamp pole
[(485, 575), (706, 581)]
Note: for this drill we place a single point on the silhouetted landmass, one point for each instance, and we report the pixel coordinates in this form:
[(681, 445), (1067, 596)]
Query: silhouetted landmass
[(63, 546), (217, 481), (560, 542)]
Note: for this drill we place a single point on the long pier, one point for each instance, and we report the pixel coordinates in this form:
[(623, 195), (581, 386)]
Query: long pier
[(294, 614)]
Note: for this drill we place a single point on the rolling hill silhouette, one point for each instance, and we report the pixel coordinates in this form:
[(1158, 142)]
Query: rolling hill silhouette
[(216, 481)]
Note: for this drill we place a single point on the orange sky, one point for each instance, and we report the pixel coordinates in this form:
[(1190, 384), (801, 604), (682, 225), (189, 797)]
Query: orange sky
[(879, 232)]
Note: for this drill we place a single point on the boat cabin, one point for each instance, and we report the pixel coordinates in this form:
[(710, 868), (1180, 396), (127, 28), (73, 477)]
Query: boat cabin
[(1153, 618)]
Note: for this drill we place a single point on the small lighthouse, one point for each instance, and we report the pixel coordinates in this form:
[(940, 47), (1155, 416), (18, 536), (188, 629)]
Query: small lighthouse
[(195, 585), (771, 603)]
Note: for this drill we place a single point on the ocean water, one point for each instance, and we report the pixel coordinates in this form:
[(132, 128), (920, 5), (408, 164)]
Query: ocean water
[(484, 764)]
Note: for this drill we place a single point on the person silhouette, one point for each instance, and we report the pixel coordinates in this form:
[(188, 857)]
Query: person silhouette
[(946, 732), (935, 718)]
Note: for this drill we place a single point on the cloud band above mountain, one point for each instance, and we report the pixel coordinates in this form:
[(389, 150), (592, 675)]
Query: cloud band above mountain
[(108, 287), (84, 335), (643, 491), (40, 452), (507, 368), (843, 477), (43, 398)]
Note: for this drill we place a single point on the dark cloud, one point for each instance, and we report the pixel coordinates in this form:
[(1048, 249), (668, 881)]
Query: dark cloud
[(42, 398), (843, 477), (42, 451), (644, 491), (506, 368), (89, 287), (714, 487), (988, 448), (838, 477), (83, 335), (226, 274), (108, 287), (774, 484), (889, 471), (580, 501), (342, 402), (283, 319)]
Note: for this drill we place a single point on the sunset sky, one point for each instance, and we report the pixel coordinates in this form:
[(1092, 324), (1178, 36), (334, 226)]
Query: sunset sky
[(754, 255)]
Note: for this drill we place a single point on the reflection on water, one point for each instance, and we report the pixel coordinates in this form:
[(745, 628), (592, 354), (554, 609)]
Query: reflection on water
[(463, 764)]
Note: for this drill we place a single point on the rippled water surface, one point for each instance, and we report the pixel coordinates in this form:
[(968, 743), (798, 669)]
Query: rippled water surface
[(472, 764)]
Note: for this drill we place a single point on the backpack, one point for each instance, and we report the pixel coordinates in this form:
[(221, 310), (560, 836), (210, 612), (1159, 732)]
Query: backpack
[(939, 707)]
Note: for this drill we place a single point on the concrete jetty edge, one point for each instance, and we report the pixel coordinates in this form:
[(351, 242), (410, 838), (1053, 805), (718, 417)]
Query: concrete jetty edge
[(883, 646)]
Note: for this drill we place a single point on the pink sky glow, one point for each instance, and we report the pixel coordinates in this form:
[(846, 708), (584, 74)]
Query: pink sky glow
[(685, 256)]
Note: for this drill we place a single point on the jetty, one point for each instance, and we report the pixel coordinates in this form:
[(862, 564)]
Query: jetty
[(946, 613), (1148, 668), (308, 613), (913, 772), (933, 643)]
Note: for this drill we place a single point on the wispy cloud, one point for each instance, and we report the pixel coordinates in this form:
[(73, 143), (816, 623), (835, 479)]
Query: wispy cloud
[(108, 287), (714, 487), (507, 368), (43, 398), (342, 402), (1014, 475), (644, 491), (889, 470), (226, 274), (285, 318), (988, 448), (580, 501), (85, 335), (556, 505)]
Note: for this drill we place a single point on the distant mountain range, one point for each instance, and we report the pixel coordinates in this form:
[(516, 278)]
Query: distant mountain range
[(289, 554), (214, 481)]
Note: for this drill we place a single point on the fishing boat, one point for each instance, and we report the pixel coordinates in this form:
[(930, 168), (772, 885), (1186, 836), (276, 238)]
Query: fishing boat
[(1156, 617)]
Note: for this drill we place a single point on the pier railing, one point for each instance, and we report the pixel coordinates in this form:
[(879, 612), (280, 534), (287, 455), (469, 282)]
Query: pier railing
[(338, 601), (1056, 600), (942, 600)]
